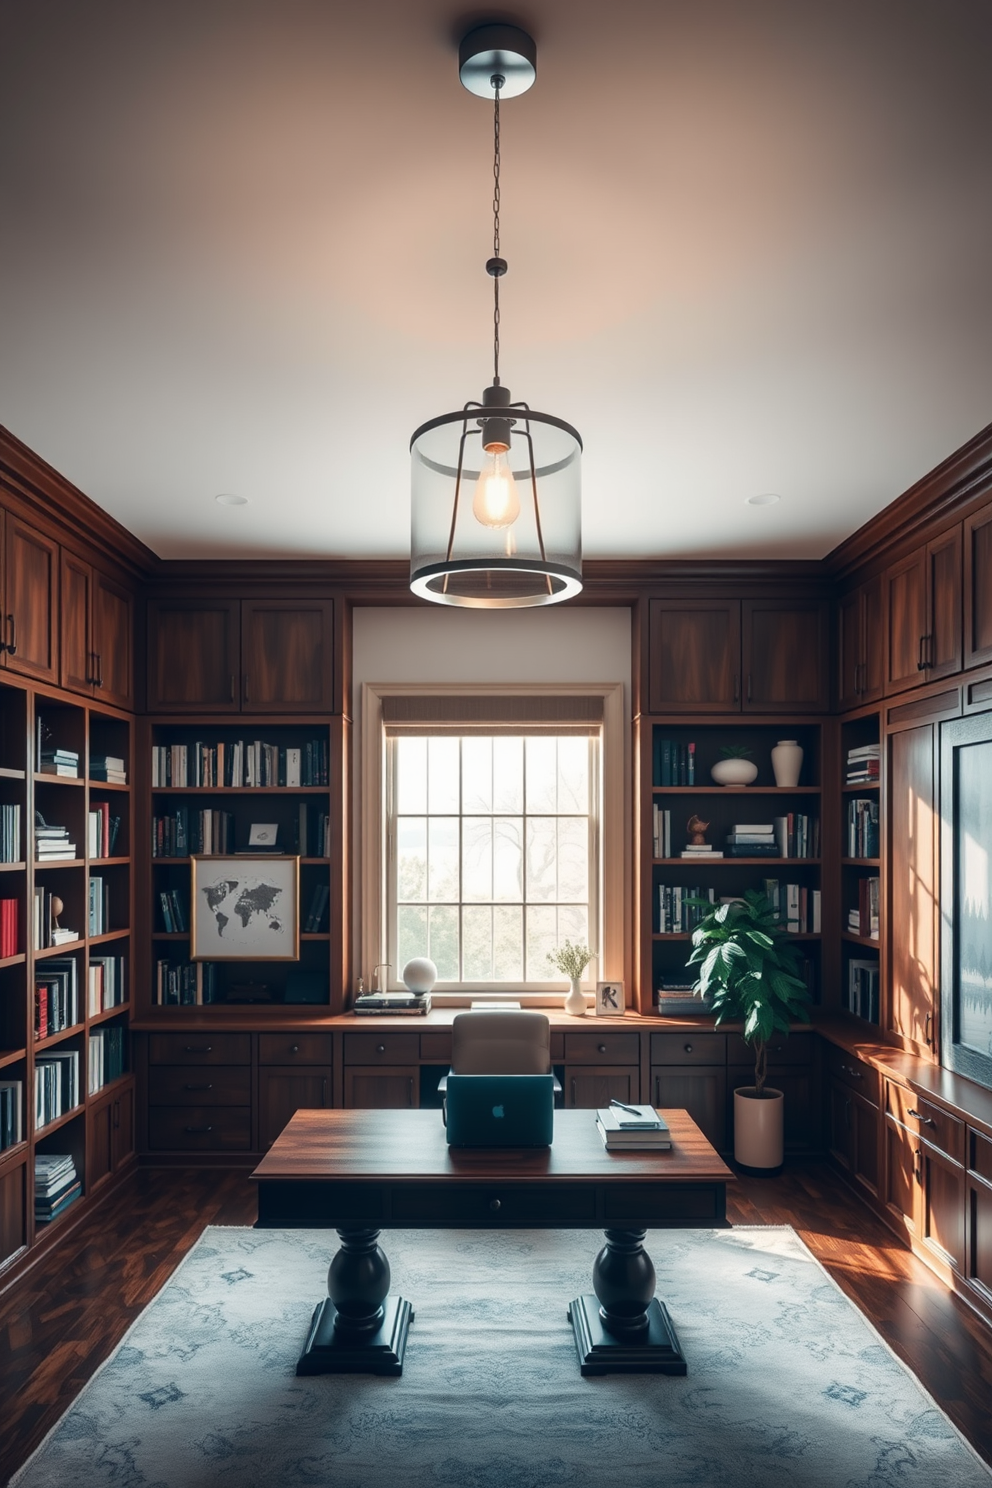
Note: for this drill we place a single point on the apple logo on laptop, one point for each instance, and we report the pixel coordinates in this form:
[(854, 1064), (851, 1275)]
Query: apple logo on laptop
[(498, 1112)]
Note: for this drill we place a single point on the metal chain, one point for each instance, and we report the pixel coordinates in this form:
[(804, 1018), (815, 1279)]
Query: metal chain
[(497, 84)]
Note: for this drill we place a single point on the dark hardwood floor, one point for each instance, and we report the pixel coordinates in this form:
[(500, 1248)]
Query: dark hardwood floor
[(63, 1318)]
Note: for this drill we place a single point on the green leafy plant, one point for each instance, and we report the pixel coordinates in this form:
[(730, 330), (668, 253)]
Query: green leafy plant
[(749, 972), (736, 751), (571, 960)]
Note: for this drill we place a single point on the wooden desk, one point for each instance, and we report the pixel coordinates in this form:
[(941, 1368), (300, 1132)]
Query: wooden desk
[(361, 1171)]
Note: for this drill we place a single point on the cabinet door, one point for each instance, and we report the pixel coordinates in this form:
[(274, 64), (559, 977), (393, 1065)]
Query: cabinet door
[(913, 906), (785, 646), (592, 1088), (99, 1143), (978, 588), (694, 651), (906, 605), (31, 569), (382, 1089), (942, 1209), (854, 1135), (944, 605), (850, 653), (194, 655), (76, 583), (873, 643), (113, 624), (980, 1236), (283, 1092), (287, 652), (123, 1125), (699, 1089), (903, 1176)]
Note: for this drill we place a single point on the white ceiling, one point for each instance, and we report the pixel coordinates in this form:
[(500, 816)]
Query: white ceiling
[(242, 248)]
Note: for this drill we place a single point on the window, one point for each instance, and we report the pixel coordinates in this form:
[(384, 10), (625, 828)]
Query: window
[(494, 843)]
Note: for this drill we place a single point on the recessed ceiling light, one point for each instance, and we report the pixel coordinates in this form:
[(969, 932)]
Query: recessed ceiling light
[(228, 498), (767, 498)]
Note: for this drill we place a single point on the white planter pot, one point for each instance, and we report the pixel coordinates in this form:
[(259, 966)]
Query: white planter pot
[(734, 772), (787, 761), (758, 1143), (575, 1003)]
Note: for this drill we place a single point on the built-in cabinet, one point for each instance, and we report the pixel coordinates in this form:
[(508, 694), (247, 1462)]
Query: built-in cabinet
[(97, 633), (861, 644), (924, 608), (29, 602), (978, 587)]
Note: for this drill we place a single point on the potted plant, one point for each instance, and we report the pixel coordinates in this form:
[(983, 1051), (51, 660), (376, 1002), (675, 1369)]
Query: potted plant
[(748, 972), (736, 767), (572, 960)]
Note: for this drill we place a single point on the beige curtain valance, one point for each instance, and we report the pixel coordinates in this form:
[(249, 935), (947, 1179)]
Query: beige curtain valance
[(497, 714)]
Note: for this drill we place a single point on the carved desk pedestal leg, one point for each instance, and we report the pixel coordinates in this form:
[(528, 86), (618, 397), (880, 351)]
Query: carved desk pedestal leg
[(624, 1329), (358, 1328)]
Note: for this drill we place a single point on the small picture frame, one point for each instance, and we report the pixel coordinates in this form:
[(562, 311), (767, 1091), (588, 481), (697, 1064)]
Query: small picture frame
[(263, 836), (244, 908), (609, 1000)]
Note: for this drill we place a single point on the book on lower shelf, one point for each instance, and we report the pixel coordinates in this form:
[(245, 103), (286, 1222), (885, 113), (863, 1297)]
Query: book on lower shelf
[(9, 940), (863, 919), (862, 828), (105, 1056), (11, 1113), (796, 907), (319, 899), (186, 983), (106, 988), (56, 996), (863, 988), (56, 1185), (56, 1085), (108, 768), (47, 931), (102, 830), (380, 1004), (677, 915), (10, 834)]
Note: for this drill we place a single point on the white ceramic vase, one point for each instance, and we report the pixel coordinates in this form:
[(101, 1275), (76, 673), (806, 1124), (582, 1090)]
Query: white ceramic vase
[(734, 772), (787, 761), (575, 1003), (758, 1129)]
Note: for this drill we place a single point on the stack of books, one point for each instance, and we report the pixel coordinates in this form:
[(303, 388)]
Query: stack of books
[(674, 998), (864, 765), (56, 1185), (51, 843), (11, 1119), (380, 1004), (753, 840), (109, 768), (632, 1128), (59, 762), (700, 851)]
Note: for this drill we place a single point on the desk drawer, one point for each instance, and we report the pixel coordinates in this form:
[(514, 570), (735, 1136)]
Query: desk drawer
[(688, 1048), (223, 1085), (492, 1205), (199, 1129), (602, 1048), (295, 1048), (384, 1048), (199, 1048), (854, 1073), (928, 1121)]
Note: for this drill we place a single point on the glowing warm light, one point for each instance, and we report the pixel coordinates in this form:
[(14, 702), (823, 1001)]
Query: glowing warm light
[(496, 502)]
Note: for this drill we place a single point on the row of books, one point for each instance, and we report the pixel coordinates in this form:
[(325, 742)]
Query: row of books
[(109, 768), (56, 996), (98, 906), (56, 1085), (237, 763), (105, 1057), (676, 916), (10, 834), (862, 828), (47, 930), (862, 989), (11, 1113), (185, 983), (863, 919), (9, 937), (174, 918), (864, 765), (56, 1185), (179, 833), (673, 763), (102, 830), (106, 987), (797, 908)]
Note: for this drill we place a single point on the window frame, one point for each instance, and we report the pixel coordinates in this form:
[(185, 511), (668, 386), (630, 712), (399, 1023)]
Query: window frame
[(614, 815)]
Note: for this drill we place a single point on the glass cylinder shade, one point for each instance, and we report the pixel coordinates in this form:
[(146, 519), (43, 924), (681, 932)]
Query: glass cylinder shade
[(497, 527)]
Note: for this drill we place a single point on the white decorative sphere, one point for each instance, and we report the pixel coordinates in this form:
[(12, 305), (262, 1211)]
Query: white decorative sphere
[(419, 975)]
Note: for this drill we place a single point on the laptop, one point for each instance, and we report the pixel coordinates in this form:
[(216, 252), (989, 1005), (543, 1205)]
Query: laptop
[(500, 1110)]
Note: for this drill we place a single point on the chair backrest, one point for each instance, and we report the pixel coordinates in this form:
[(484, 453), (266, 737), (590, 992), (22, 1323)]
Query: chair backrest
[(510, 1043)]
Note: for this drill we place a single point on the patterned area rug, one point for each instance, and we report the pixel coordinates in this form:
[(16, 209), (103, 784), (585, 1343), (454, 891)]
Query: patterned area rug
[(787, 1384)]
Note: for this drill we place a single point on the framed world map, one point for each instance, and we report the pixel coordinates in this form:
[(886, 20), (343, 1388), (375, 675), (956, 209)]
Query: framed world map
[(245, 908)]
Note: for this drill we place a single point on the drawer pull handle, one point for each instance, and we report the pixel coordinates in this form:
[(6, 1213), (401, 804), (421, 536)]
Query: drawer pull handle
[(191, 1049), (495, 1205), (923, 1120), (198, 1131), (855, 1074), (601, 1048), (687, 1048), (380, 1048), (198, 1087), (294, 1048)]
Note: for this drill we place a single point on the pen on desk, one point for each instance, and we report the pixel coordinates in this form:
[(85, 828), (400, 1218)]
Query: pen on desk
[(632, 1109)]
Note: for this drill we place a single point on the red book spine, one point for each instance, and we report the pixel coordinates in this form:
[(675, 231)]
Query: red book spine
[(41, 1012)]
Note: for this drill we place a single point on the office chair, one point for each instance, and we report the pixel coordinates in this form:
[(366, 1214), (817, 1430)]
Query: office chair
[(502, 1043)]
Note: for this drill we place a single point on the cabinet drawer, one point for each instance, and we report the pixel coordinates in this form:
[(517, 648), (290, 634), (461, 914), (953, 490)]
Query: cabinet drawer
[(390, 1048), (436, 1047), (980, 1155), (295, 1048), (602, 1048), (797, 1049), (173, 1085), (199, 1048), (688, 1048), (854, 1073), (199, 1129), (926, 1120), (493, 1205)]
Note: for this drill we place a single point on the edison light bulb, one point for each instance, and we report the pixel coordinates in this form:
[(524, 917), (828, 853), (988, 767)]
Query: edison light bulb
[(496, 501)]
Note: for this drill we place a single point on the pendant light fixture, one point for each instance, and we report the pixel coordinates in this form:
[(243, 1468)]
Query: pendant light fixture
[(496, 490)]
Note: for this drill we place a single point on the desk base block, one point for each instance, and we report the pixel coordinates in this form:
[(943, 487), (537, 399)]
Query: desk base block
[(658, 1350), (329, 1352)]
